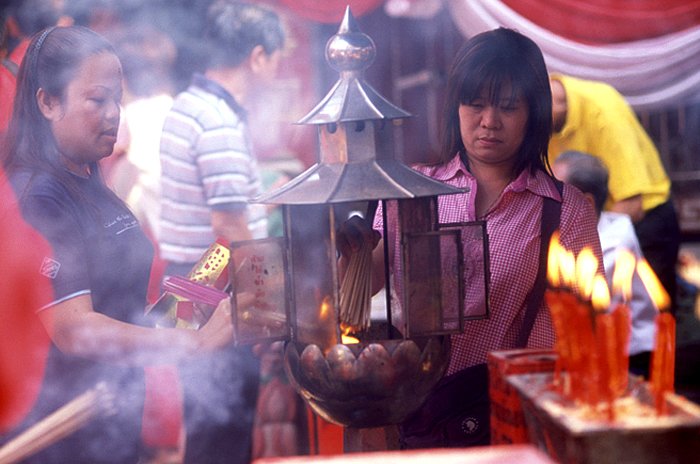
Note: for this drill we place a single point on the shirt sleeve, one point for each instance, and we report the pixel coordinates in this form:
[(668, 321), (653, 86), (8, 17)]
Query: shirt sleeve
[(226, 169)]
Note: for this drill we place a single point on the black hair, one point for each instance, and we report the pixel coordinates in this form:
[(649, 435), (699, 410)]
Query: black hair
[(33, 16), (587, 173), (52, 60), (489, 62), (233, 29)]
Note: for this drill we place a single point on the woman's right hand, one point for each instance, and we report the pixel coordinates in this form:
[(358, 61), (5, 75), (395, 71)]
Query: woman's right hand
[(218, 330), (353, 233)]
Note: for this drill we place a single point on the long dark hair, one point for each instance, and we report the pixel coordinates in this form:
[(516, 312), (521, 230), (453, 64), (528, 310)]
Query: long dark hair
[(51, 63), (490, 61)]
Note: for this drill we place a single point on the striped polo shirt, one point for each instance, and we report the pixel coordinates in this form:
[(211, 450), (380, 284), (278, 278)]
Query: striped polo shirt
[(207, 164)]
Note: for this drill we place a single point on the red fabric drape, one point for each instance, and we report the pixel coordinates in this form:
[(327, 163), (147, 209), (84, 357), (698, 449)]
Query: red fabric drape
[(329, 11), (609, 21)]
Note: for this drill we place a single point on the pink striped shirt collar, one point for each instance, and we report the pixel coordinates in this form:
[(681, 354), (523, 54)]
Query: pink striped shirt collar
[(448, 171)]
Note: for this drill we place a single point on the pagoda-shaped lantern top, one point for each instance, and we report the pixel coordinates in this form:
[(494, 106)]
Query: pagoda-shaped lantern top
[(354, 122), (291, 287)]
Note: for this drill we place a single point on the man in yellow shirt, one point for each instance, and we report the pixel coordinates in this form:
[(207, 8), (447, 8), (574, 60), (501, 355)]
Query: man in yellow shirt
[(593, 117)]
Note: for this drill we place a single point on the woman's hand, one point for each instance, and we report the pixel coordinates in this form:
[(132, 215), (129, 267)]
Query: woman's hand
[(218, 331), (354, 233)]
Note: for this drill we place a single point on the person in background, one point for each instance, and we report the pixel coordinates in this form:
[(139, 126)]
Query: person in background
[(24, 343), (147, 56), (594, 118), (20, 20), (65, 119), (497, 123), (208, 174), (589, 174), (8, 76), (27, 17)]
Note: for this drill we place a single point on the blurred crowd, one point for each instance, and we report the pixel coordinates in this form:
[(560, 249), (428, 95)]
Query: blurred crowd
[(161, 45), (167, 62)]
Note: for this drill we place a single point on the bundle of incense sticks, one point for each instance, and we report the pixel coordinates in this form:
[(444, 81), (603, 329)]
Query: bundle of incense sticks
[(356, 290), (98, 401), (193, 291)]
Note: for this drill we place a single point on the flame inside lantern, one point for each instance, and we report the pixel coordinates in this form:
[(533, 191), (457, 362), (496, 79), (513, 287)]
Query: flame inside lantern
[(345, 336), (325, 309)]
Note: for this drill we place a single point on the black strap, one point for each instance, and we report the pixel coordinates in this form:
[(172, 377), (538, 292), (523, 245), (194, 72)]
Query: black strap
[(551, 211)]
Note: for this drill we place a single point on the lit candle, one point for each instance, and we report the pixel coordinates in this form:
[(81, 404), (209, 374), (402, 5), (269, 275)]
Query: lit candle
[(623, 274), (554, 297), (586, 271), (663, 357), (606, 343)]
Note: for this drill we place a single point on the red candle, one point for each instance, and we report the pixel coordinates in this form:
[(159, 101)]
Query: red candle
[(663, 357), (606, 344)]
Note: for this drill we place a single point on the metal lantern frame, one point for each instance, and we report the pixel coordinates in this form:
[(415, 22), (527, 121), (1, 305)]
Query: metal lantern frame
[(288, 288)]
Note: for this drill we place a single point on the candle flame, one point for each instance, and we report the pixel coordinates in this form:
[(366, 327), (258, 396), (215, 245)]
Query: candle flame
[(656, 291), (600, 294), (553, 258), (625, 263), (567, 267), (586, 269), (345, 336)]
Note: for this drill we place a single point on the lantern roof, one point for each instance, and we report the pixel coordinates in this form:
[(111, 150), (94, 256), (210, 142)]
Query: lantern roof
[(351, 52), (350, 168)]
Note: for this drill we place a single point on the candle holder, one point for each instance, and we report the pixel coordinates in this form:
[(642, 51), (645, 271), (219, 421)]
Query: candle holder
[(556, 425)]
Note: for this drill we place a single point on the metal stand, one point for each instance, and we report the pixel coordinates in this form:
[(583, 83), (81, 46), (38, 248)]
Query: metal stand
[(356, 440)]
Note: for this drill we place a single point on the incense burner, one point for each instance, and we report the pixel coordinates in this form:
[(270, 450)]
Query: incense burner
[(367, 384), (292, 288)]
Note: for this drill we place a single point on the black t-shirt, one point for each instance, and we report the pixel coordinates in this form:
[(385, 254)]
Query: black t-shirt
[(98, 249)]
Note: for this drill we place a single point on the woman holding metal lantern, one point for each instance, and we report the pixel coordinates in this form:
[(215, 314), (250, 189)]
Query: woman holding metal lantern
[(497, 123)]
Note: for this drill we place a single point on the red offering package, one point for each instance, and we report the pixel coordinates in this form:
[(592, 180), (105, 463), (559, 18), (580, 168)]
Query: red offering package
[(193, 291)]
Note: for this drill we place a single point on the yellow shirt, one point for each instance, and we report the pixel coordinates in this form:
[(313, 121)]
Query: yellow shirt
[(600, 122)]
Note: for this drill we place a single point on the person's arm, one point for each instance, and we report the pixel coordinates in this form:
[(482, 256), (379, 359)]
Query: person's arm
[(231, 225), (631, 206), (78, 330)]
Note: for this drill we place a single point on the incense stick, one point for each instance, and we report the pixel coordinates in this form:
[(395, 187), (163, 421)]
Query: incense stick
[(95, 402), (356, 290)]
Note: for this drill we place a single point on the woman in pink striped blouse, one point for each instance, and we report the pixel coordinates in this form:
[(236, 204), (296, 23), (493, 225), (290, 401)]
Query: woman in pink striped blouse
[(497, 124)]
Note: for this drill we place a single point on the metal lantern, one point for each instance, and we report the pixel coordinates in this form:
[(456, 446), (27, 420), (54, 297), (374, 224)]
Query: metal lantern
[(289, 288)]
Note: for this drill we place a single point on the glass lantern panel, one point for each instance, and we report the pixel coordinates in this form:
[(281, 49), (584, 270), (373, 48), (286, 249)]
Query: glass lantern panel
[(432, 283), (258, 270), (314, 275), (475, 256)]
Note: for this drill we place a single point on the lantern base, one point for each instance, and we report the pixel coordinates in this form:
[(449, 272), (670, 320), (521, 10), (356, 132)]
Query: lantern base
[(368, 384)]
